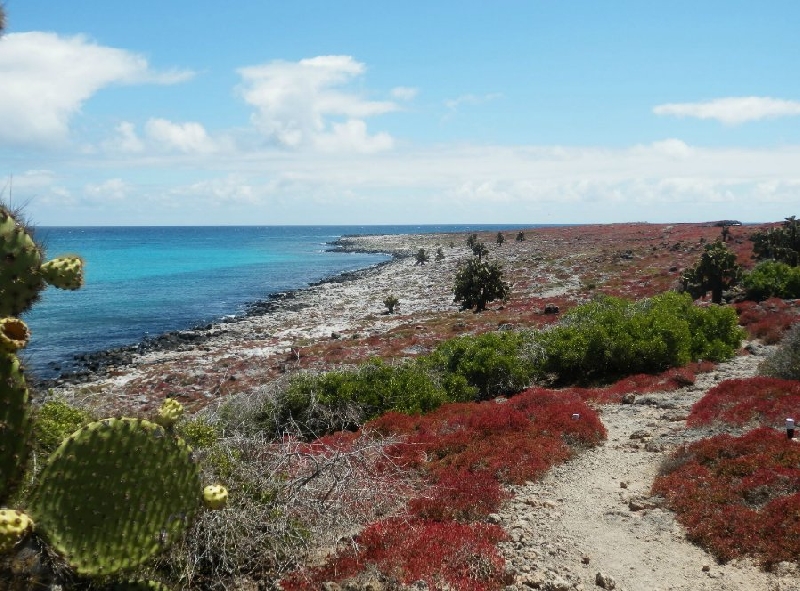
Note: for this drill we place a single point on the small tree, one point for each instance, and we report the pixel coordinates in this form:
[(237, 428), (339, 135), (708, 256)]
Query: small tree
[(479, 250), (478, 283), (391, 302), (439, 254), (520, 236), (472, 240), (421, 256), (716, 271), (500, 239), (781, 244)]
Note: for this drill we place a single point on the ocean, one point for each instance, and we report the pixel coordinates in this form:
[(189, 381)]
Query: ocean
[(141, 282)]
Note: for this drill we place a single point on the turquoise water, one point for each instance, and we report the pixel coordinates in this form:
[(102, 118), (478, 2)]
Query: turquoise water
[(144, 281)]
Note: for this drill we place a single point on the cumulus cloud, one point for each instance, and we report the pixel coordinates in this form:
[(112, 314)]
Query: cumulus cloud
[(733, 110), (303, 103), (46, 78), (189, 137), (125, 139)]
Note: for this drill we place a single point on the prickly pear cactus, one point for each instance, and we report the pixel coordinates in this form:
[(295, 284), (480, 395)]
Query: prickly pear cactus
[(14, 335), (20, 280), (115, 493), (171, 410), (64, 272), (15, 423), (13, 527), (22, 274)]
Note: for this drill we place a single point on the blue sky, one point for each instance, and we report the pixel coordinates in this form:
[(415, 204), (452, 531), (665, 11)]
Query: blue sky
[(350, 112)]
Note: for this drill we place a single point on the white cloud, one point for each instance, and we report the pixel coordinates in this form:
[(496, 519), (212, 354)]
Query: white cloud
[(302, 103), (110, 190), (404, 93), (352, 136), (471, 100), (46, 79), (126, 139), (733, 110), (189, 137)]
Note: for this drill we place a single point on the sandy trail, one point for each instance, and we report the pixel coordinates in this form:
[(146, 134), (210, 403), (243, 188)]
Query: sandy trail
[(594, 514)]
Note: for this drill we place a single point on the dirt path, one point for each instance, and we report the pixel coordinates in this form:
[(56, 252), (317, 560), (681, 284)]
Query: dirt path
[(593, 515)]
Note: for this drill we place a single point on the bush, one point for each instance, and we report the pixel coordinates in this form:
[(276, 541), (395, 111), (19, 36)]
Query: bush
[(421, 257), (772, 279), (738, 496), (478, 283), (779, 244), (785, 361), (488, 365), (391, 303), (445, 555), (741, 402), (611, 337), (342, 400), (54, 421)]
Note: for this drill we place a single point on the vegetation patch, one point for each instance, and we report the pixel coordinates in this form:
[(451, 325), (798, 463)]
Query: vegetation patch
[(738, 496), (747, 401)]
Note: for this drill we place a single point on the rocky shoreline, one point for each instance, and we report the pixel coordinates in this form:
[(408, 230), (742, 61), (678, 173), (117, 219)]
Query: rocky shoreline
[(88, 366)]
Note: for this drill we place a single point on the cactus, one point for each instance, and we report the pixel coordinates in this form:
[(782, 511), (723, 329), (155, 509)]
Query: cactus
[(22, 274), (64, 272), (169, 413), (15, 423), (13, 527), (115, 493)]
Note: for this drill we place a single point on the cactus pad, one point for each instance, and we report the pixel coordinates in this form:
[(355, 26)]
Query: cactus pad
[(64, 272), (14, 335), (15, 423), (20, 261), (115, 493), (215, 496), (169, 413), (13, 526)]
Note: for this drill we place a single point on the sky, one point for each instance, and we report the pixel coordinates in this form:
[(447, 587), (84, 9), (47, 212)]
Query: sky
[(271, 112)]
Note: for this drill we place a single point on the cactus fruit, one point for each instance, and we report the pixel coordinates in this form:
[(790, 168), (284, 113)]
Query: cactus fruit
[(13, 526), (14, 335), (169, 413), (215, 496), (64, 272), (115, 493), (15, 423)]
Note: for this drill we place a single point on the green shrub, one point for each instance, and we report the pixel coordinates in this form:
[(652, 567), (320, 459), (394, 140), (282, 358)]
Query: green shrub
[(337, 400), (198, 432), (611, 337), (784, 362), (780, 243), (54, 421), (772, 279), (478, 283), (483, 366)]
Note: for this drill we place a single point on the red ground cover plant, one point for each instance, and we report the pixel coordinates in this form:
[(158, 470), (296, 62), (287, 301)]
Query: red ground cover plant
[(464, 453), (461, 556), (768, 320), (738, 496), (741, 402)]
